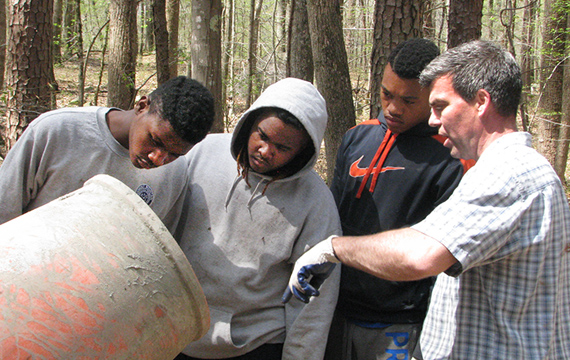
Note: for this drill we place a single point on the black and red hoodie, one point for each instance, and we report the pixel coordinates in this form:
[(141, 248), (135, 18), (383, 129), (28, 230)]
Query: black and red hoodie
[(384, 181)]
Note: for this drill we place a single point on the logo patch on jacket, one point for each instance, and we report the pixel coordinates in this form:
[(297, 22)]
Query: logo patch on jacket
[(145, 192), (356, 171)]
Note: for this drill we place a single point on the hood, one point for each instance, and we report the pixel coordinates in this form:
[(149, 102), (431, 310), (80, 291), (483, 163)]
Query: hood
[(300, 98)]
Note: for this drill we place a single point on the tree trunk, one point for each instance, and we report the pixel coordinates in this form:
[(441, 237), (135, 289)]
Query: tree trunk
[(464, 21), (252, 88), (68, 31), (57, 28), (206, 52), (508, 21), (331, 73), (550, 102), (172, 24), (299, 52), (394, 22), (122, 53), (78, 49), (561, 159), (161, 40), (227, 84), (29, 65), (147, 41), (2, 41), (527, 58)]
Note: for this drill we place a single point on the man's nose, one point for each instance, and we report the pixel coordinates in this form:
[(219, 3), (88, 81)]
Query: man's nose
[(433, 120), (265, 150), (394, 108), (158, 157)]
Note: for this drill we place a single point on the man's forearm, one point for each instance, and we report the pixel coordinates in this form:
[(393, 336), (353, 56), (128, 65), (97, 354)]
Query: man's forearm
[(397, 255)]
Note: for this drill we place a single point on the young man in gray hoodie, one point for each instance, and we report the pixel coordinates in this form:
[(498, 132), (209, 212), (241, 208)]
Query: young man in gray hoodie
[(254, 205), (63, 148)]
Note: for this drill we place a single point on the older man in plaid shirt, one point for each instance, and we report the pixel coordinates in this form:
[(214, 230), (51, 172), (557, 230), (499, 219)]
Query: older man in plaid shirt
[(502, 238)]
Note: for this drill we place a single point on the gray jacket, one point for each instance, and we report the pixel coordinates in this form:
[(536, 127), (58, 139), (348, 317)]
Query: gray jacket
[(242, 238)]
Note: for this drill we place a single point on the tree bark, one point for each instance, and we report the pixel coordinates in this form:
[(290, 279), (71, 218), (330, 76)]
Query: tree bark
[(2, 41), (394, 22), (227, 74), (464, 21), (29, 76), (561, 159), (57, 27), (527, 58), (78, 49), (122, 53), (253, 81), (299, 52), (206, 52), (550, 102), (161, 40), (331, 73), (172, 24)]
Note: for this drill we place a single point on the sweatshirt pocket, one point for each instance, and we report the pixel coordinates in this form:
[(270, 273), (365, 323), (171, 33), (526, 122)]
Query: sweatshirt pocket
[(218, 340)]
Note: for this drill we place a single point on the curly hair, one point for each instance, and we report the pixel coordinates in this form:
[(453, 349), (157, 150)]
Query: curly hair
[(410, 57), (187, 105)]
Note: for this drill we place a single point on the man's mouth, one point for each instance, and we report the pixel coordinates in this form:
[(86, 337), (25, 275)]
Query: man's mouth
[(259, 161), (145, 164), (392, 119)]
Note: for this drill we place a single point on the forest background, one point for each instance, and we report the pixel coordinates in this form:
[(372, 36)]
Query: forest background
[(60, 53)]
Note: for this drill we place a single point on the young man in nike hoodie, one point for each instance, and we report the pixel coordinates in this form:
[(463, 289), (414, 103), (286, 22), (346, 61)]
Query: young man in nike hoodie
[(254, 205), (390, 172)]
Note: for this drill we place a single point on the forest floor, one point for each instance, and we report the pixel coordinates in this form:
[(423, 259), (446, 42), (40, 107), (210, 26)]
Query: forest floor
[(66, 75)]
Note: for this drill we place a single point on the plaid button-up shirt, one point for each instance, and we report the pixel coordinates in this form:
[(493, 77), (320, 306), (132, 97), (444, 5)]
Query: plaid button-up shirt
[(508, 296)]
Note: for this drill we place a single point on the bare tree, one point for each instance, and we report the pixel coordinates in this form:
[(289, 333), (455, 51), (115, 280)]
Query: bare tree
[(57, 28), (464, 21), (331, 72), (551, 78), (227, 87), (30, 78), (78, 50), (206, 52), (161, 40), (561, 159), (394, 22), (299, 52), (527, 57), (122, 53), (253, 75), (172, 24), (2, 41)]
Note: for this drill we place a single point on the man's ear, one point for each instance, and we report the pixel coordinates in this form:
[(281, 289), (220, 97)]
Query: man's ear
[(142, 104), (483, 100)]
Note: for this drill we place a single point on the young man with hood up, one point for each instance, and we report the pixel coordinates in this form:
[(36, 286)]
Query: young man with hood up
[(63, 148), (254, 205)]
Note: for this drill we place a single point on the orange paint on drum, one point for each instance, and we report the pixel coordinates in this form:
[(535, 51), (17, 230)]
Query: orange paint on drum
[(96, 275)]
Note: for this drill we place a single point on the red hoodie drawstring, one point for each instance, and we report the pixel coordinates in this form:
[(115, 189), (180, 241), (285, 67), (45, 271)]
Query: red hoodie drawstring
[(381, 153)]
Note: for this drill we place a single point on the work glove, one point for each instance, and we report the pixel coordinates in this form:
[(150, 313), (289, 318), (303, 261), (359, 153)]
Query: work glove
[(310, 271)]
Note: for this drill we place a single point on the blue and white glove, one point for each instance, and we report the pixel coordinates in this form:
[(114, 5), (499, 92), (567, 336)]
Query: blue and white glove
[(310, 271)]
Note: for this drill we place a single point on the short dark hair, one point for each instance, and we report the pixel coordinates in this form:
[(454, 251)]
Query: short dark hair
[(187, 105), (410, 57), (479, 65)]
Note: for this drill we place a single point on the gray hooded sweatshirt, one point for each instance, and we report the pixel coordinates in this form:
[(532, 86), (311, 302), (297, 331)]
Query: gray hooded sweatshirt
[(243, 237)]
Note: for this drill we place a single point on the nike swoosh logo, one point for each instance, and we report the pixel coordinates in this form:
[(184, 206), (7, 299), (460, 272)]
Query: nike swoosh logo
[(356, 171)]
